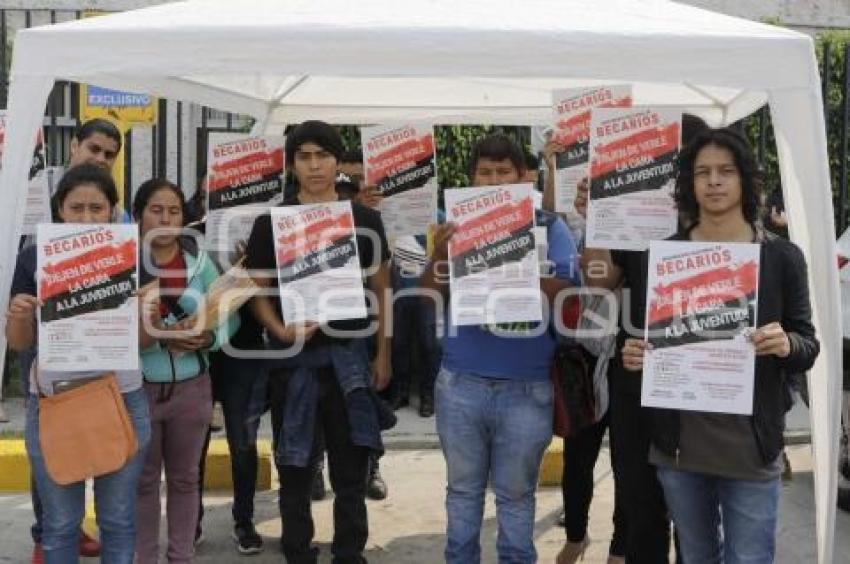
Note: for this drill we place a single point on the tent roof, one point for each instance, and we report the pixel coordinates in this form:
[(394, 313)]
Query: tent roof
[(439, 60), (451, 61)]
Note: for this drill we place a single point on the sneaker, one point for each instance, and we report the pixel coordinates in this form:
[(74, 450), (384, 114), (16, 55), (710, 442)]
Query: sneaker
[(787, 473), (247, 540), (426, 405), (376, 487), (317, 488), (217, 423), (562, 518), (89, 547), (37, 554)]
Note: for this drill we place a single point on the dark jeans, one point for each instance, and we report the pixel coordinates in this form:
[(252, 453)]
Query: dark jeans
[(38, 510), (648, 530), (347, 466), (241, 384), (416, 350), (580, 454), (25, 360)]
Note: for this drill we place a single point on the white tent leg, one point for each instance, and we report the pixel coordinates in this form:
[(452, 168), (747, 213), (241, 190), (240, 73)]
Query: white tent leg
[(801, 142), (27, 99)]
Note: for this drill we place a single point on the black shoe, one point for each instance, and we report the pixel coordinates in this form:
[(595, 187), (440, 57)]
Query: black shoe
[(844, 499), (426, 405), (787, 473), (376, 487), (398, 402), (317, 489), (247, 540)]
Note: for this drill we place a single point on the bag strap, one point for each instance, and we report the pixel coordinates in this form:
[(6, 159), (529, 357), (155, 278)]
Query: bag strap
[(34, 371)]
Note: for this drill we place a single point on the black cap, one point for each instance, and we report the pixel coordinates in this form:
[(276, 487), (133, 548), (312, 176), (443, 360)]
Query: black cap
[(322, 134)]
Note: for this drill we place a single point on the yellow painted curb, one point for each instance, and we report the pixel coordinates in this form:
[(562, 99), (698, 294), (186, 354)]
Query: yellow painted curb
[(90, 520), (217, 473), (14, 466), (553, 463)]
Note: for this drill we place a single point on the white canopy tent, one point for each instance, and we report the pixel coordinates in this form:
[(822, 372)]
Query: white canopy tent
[(445, 61)]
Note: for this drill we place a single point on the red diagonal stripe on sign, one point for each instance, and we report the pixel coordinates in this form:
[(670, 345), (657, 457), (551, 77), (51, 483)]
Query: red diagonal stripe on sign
[(669, 300), (123, 257), (238, 171), (398, 158), (497, 223), (622, 152), (309, 239)]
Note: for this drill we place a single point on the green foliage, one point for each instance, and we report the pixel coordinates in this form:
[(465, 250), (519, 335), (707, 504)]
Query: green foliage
[(350, 136), (454, 145), (765, 149), (833, 45), (830, 48)]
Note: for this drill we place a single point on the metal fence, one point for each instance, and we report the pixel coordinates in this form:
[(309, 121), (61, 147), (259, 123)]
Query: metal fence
[(63, 110), (838, 122)]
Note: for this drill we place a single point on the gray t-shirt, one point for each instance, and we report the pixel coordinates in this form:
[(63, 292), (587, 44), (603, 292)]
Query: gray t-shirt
[(127, 380), (718, 444)]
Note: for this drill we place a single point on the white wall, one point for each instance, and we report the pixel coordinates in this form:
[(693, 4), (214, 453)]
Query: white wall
[(107, 5), (806, 15)]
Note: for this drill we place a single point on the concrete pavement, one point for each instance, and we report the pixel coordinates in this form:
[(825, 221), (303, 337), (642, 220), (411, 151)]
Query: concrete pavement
[(408, 527)]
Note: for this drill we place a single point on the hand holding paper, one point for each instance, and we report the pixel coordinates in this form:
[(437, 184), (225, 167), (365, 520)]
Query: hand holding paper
[(298, 331), (771, 339), (581, 197), (442, 235), (551, 149), (633, 350), (23, 307), (369, 196)]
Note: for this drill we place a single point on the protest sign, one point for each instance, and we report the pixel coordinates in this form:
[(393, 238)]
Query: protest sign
[(87, 281), (701, 310), (399, 161), (493, 263), (319, 272), (37, 208), (572, 108), (633, 170), (244, 177)]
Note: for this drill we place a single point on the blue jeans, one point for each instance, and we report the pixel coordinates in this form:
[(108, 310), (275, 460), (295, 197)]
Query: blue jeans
[(497, 431), (114, 495), (721, 520)]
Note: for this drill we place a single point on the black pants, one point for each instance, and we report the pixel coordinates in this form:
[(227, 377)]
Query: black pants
[(416, 349), (580, 454), (347, 465), (242, 386), (648, 529)]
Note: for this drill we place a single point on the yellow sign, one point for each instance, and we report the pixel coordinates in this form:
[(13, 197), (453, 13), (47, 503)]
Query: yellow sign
[(117, 106)]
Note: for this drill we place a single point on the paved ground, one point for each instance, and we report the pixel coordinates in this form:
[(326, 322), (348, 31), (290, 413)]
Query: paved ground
[(408, 527), (412, 432)]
